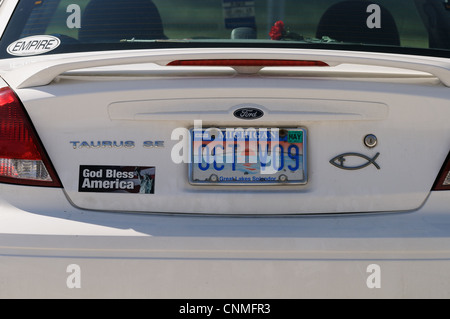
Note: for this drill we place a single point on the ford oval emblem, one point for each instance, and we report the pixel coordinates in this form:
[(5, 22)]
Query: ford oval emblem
[(248, 113)]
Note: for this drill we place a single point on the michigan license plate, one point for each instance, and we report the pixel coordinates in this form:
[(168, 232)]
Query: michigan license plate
[(239, 156)]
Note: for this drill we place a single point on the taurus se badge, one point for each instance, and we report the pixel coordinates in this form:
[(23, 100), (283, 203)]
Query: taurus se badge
[(339, 161)]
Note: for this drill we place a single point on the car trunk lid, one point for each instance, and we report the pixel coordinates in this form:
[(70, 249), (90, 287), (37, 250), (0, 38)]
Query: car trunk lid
[(106, 131)]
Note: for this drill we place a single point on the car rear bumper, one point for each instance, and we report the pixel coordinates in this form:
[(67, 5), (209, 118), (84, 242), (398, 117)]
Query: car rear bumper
[(115, 255)]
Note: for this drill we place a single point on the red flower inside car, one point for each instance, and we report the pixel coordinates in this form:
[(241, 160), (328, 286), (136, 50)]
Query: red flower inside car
[(277, 31)]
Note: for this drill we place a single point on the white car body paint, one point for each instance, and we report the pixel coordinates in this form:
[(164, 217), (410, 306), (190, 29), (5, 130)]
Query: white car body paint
[(311, 241)]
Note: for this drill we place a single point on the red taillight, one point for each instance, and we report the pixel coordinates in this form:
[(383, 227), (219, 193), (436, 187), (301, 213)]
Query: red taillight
[(247, 63), (22, 157), (443, 180)]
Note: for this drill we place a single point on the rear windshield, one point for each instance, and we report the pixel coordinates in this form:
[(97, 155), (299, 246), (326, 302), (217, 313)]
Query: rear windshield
[(61, 26)]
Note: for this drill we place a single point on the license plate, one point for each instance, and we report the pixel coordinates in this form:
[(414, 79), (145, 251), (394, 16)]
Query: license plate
[(239, 156)]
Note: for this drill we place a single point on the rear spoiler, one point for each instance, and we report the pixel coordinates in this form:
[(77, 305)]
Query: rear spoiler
[(44, 72)]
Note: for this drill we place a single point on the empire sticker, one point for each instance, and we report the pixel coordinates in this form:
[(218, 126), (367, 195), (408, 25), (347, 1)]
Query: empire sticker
[(117, 179), (33, 45)]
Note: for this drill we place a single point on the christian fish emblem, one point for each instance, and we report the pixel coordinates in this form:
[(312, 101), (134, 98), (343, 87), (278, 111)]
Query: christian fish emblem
[(340, 161)]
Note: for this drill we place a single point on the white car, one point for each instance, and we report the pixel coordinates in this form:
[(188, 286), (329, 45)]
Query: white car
[(224, 149)]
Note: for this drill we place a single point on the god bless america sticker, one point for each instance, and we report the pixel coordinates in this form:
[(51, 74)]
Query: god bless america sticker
[(34, 45), (117, 179)]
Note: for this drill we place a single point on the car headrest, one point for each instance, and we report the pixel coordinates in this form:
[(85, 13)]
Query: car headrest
[(115, 20), (347, 21)]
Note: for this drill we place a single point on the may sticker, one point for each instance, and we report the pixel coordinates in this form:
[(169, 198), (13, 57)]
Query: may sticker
[(117, 179), (33, 45)]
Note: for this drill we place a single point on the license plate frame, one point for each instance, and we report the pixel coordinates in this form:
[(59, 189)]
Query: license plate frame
[(237, 162)]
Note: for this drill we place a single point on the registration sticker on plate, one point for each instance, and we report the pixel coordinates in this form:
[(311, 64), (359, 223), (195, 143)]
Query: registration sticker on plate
[(238, 156)]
